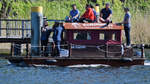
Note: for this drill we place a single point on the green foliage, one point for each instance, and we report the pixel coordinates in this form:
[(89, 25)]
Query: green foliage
[(142, 5), (0, 4), (59, 9)]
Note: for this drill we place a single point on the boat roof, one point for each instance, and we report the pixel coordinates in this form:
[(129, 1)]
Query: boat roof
[(92, 26)]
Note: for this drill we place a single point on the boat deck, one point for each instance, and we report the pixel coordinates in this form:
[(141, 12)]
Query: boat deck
[(108, 55)]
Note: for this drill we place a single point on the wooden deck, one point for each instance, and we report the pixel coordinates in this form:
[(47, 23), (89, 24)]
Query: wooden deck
[(84, 56)]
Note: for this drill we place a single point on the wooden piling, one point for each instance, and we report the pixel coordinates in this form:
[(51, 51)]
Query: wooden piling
[(12, 49), (27, 50), (142, 51)]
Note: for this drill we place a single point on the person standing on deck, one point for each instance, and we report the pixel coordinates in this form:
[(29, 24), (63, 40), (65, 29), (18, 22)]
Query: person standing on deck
[(88, 16), (106, 14), (57, 37), (45, 32), (127, 25)]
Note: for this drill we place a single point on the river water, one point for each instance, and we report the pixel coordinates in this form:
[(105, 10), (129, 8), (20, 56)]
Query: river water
[(11, 74)]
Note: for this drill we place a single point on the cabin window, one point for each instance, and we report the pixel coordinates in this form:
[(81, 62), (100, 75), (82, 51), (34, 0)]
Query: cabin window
[(114, 36), (82, 36), (101, 36)]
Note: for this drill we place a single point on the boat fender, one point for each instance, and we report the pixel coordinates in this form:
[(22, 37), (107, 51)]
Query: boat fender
[(126, 59), (51, 61), (122, 49)]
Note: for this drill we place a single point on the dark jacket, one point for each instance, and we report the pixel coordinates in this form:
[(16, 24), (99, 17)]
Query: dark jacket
[(45, 35)]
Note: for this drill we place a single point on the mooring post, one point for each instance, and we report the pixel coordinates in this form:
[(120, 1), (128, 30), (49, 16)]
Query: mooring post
[(12, 49), (142, 51), (36, 24)]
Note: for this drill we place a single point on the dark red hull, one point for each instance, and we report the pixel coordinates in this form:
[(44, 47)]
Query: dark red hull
[(77, 61)]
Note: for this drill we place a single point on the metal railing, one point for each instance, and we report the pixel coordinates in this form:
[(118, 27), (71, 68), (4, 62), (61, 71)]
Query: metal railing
[(17, 28)]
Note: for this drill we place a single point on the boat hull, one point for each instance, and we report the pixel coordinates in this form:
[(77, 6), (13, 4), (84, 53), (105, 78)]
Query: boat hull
[(78, 61)]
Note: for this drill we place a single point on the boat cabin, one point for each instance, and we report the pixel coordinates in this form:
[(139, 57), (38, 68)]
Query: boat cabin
[(94, 40), (93, 33)]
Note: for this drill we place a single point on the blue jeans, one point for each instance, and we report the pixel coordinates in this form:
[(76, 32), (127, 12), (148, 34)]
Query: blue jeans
[(75, 20), (127, 34), (57, 47), (72, 20)]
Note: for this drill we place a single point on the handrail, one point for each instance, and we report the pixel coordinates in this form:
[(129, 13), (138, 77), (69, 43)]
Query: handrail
[(17, 27), (14, 20), (50, 20)]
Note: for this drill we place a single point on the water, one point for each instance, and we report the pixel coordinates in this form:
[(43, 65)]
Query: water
[(11, 74)]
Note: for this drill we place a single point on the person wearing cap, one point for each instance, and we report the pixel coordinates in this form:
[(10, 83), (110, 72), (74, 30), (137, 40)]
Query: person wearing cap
[(127, 25), (45, 32), (88, 16), (57, 37), (106, 14)]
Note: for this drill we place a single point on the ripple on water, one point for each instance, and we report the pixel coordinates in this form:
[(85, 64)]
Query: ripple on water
[(10, 74)]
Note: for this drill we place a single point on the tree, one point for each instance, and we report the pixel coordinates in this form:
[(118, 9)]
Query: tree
[(95, 1), (6, 8)]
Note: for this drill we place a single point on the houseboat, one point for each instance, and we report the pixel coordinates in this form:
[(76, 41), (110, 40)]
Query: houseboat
[(88, 43)]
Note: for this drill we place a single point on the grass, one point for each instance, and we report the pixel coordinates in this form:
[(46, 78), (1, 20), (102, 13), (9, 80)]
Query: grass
[(59, 9)]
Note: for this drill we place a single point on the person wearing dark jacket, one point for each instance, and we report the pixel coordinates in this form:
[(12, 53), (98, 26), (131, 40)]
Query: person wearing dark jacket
[(45, 32)]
